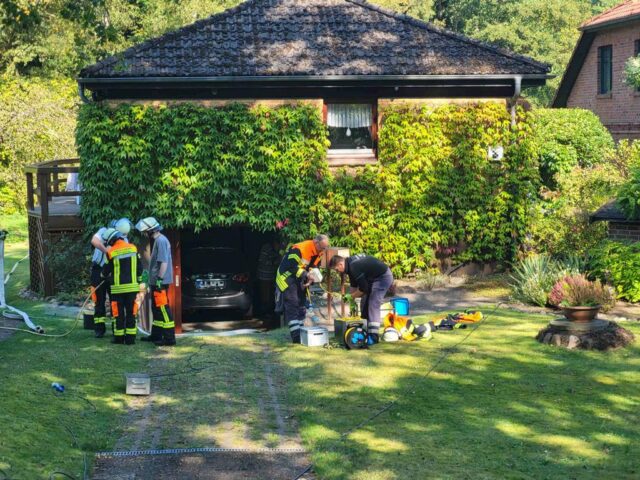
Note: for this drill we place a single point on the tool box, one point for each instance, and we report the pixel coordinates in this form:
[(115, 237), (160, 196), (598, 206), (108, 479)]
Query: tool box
[(314, 336)]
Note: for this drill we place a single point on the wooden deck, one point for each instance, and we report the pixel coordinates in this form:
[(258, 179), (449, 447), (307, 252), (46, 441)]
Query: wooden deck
[(63, 214)]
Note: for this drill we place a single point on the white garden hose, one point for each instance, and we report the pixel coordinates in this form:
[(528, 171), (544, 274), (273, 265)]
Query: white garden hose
[(3, 303)]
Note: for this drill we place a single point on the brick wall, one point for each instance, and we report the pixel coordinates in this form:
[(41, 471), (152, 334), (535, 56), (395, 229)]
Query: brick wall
[(620, 111), (624, 231)]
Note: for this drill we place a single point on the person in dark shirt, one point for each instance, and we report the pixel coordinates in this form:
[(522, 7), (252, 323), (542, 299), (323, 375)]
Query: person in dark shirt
[(370, 279)]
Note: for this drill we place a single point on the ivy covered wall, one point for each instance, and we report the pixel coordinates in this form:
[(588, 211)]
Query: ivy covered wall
[(433, 191)]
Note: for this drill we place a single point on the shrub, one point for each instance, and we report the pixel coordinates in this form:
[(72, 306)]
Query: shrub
[(578, 291), (69, 259), (533, 278), (568, 138), (429, 280), (618, 264), (629, 194)]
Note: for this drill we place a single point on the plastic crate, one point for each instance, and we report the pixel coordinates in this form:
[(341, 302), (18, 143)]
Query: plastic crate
[(314, 336)]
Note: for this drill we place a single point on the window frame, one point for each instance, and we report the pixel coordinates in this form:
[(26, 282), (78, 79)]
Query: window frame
[(601, 71), (353, 157)]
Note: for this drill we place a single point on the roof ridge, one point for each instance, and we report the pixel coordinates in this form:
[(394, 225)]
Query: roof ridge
[(443, 31), (112, 59)]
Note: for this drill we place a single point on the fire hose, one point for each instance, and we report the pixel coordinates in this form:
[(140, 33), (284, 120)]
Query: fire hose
[(3, 304)]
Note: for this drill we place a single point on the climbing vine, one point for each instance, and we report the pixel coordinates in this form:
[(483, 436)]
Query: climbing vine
[(433, 192)]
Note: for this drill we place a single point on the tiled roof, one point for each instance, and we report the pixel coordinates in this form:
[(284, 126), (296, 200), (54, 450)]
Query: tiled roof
[(310, 38), (630, 8), (610, 211)]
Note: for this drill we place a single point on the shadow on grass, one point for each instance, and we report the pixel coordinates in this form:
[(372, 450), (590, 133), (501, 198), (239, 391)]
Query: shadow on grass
[(500, 406)]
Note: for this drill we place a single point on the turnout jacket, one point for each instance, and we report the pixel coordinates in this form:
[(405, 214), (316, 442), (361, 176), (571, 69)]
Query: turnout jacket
[(296, 263), (123, 267), (363, 270)]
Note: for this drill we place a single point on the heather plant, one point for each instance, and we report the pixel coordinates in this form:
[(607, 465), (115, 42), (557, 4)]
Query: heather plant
[(578, 291)]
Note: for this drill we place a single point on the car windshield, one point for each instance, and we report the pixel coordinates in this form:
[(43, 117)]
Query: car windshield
[(214, 260)]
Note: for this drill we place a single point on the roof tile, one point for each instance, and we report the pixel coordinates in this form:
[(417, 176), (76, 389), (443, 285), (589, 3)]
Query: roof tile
[(310, 38)]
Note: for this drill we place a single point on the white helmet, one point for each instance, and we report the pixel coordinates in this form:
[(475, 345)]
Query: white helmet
[(315, 275), (390, 335), (123, 226), (148, 225)]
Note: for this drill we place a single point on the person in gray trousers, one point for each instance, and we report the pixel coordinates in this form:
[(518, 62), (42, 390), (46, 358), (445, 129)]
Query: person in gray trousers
[(370, 279)]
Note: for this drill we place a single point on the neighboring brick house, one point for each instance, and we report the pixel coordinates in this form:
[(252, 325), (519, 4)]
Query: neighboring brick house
[(620, 228), (594, 79)]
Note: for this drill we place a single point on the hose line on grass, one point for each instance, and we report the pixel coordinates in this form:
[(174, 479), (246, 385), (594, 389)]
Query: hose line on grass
[(446, 352)]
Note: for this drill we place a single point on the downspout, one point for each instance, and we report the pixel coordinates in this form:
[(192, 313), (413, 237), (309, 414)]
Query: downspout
[(83, 97), (513, 101)]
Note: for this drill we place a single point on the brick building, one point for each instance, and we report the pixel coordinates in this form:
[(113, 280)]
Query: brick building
[(594, 79), (620, 227)]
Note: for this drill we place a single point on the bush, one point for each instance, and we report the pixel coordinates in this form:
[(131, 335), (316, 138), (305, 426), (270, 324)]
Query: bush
[(578, 291), (629, 194), (534, 277), (618, 264), (69, 258), (37, 120), (567, 138)]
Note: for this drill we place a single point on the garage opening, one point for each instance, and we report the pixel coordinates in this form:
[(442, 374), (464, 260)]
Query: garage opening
[(221, 281)]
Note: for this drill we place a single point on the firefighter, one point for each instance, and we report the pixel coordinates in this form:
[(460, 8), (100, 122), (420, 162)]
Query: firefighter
[(293, 279), (100, 288), (370, 279), (163, 329), (123, 270)]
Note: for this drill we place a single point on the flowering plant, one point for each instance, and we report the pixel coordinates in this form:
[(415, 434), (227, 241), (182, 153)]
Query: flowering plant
[(578, 291)]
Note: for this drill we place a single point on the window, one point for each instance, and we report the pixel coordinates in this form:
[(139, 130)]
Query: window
[(605, 69), (351, 128)]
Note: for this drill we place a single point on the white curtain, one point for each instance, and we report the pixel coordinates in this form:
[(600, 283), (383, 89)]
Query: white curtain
[(343, 115)]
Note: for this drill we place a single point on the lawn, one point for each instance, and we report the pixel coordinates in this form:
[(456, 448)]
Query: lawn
[(497, 405)]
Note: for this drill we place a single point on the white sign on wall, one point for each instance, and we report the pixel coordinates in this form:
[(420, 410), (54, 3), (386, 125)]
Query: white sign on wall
[(495, 153)]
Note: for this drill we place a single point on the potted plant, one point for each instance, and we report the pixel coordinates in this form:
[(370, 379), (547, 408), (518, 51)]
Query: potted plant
[(581, 299)]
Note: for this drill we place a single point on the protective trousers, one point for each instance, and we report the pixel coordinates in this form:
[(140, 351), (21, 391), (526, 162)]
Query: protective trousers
[(124, 311), (294, 308), (371, 303), (99, 296), (163, 328)]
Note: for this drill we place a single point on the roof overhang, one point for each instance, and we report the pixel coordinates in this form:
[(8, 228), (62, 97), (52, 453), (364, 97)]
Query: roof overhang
[(574, 66), (610, 24), (388, 86)]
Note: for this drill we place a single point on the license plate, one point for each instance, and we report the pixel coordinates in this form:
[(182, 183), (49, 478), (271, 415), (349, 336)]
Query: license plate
[(201, 284)]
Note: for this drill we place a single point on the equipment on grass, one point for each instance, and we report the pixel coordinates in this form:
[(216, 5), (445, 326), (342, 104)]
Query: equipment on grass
[(458, 320), (390, 335), (355, 337), (406, 327)]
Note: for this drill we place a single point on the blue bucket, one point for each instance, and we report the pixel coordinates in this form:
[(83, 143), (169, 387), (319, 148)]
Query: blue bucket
[(400, 305)]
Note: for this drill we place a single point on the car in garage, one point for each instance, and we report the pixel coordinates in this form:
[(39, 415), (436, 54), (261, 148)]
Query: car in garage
[(216, 278)]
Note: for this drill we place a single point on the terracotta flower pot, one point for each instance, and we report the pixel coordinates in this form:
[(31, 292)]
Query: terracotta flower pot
[(581, 314)]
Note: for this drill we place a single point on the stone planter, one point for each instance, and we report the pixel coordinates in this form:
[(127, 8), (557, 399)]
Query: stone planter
[(581, 314)]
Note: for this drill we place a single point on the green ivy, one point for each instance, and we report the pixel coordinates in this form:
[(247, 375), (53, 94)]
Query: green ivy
[(434, 190)]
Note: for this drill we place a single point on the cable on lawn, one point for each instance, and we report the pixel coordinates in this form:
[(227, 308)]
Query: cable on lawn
[(446, 352)]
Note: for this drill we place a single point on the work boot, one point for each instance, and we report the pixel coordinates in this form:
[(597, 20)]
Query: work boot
[(156, 334), (168, 338), (100, 330), (129, 339), (119, 340)]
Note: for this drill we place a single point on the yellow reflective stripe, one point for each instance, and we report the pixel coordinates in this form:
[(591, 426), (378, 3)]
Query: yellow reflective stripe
[(169, 325), (130, 331), (299, 272), (123, 251), (99, 320), (125, 288), (134, 268), (281, 280), (116, 273), (165, 315), (158, 323), (293, 256), (118, 333)]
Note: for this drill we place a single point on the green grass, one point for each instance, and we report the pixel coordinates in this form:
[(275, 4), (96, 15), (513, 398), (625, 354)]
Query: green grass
[(500, 405), (493, 286), (16, 225)]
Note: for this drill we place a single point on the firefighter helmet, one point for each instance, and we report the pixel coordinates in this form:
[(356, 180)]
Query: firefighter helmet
[(390, 335), (148, 225), (123, 226), (110, 236)]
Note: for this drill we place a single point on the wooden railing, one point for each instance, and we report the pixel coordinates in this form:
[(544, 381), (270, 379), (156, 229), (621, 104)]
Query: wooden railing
[(48, 180)]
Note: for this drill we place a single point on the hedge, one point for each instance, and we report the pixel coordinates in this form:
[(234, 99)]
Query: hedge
[(433, 189)]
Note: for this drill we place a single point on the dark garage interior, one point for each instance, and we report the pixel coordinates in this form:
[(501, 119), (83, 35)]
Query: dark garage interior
[(219, 274)]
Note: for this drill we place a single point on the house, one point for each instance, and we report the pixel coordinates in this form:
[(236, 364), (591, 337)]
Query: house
[(344, 57), (619, 227), (594, 78)]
